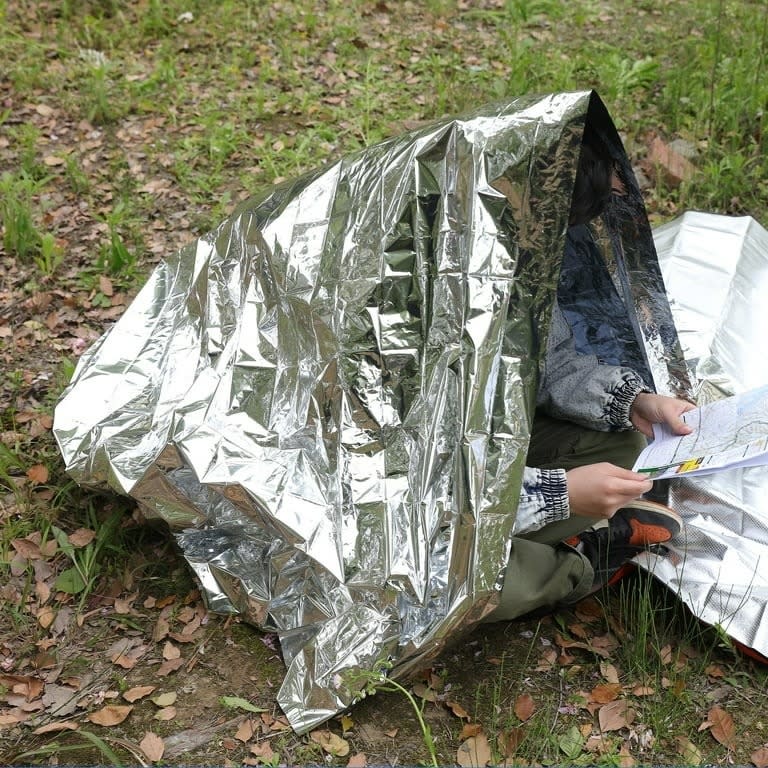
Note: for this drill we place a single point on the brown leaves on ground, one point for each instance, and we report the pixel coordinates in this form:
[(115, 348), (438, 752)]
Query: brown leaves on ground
[(45, 700), (615, 716), (152, 746), (721, 726), (330, 742), (112, 714), (524, 706), (759, 758), (475, 752), (688, 751)]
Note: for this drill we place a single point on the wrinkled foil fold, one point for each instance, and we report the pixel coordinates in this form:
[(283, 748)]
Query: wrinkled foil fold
[(716, 271), (328, 398)]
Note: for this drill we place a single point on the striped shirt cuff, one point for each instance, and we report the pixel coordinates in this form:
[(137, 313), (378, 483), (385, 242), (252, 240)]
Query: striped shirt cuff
[(622, 399)]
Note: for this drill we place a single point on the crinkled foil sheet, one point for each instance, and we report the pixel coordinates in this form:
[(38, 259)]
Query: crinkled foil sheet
[(716, 272), (328, 397)]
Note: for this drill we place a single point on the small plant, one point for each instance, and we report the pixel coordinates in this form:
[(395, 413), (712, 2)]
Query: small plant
[(20, 235), (77, 178), (80, 578), (51, 255), (25, 138), (100, 92), (366, 683), (115, 258)]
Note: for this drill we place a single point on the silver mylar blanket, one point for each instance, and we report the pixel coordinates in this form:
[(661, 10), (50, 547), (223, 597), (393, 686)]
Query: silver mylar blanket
[(716, 272), (329, 396)]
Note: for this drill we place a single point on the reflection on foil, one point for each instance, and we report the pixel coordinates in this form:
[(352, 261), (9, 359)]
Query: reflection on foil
[(716, 271), (328, 398)]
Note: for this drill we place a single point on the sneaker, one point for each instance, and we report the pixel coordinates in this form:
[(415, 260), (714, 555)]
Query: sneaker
[(641, 525)]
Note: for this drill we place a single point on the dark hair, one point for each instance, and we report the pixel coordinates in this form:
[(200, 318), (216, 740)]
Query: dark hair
[(592, 185)]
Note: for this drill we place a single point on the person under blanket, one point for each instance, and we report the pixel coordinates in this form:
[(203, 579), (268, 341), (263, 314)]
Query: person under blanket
[(591, 423)]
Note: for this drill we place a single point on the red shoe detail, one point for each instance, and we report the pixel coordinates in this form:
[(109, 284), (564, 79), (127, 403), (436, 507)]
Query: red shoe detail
[(625, 570), (645, 535)]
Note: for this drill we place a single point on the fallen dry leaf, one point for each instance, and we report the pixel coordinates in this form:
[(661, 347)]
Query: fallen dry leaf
[(601, 744), (458, 710), (358, 760), (547, 660), (139, 692), (424, 692), (169, 666), (599, 645), (330, 742), (23, 685), (45, 616), (508, 741), (164, 699), (38, 474), (615, 716), (166, 713), (264, 751), (475, 752), (152, 746), (722, 728), (604, 693), (128, 658), (609, 672), (162, 628), (690, 753), (759, 758), (715, 670), (470, 729), (12, 718), (346, 723), (110, 715), (170, 651), (625, 757), (105, 285), (245, 730), (81, 537), (27, 548), (524, 706)]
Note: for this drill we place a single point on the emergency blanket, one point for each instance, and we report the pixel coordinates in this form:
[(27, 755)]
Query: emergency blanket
[(716, 272), (328, 398)]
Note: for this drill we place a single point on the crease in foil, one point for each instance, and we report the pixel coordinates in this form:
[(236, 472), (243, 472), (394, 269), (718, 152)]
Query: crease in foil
[(716, 271), (328, 397)]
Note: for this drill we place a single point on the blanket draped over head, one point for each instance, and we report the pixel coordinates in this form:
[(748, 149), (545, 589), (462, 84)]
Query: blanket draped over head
[(328, 398)]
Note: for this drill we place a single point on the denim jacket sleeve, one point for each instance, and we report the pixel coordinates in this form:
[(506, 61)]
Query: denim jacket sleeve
[(543, 500), (577, 387)]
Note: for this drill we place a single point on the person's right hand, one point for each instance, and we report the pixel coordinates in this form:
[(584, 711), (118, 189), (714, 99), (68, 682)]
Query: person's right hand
[(598, 490)]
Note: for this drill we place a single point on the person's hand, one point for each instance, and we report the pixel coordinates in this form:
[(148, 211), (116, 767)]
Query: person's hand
[(598, 490), (649, 409)]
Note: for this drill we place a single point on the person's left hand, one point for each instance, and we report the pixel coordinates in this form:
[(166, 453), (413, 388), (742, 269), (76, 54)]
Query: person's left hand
[(649, 409)]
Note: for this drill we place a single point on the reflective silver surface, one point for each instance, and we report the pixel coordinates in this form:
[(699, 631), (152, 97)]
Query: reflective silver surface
[(716, 271), (328, 398)]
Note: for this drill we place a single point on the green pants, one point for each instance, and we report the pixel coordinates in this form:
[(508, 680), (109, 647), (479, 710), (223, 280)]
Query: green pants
[(542, 571)]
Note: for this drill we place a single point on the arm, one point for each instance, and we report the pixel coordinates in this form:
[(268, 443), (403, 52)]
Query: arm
[(543, 500), (577, 387)]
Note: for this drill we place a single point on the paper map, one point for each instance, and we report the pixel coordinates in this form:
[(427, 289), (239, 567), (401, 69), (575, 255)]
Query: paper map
[(727, 433)]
